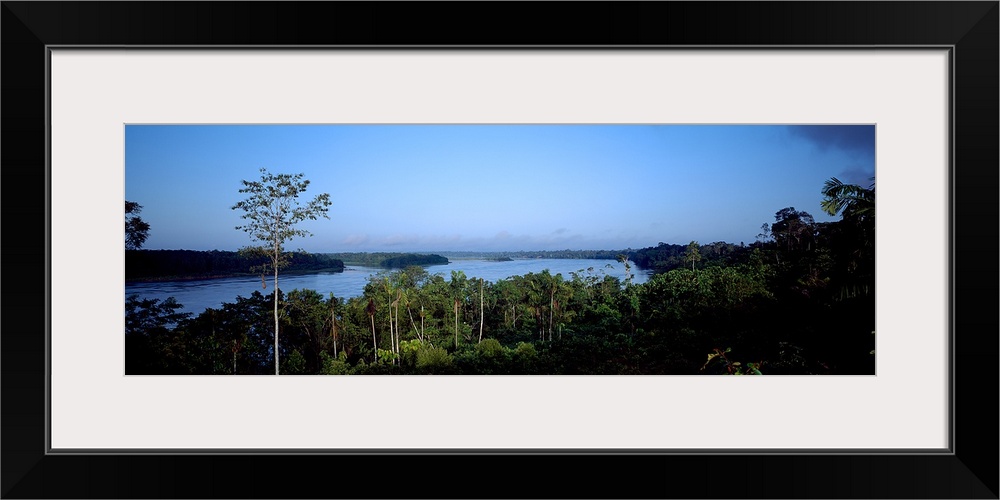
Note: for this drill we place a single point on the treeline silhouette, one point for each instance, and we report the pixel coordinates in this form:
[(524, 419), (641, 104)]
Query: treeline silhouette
[(149, 265), (541, 254), (389, 260)]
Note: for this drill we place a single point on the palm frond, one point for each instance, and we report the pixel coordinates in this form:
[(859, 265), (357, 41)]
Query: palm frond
[(848, 198)]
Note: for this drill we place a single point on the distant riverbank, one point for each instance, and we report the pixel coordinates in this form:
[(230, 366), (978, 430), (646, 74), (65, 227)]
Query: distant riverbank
[(204, 277), (198, 294), (187, 265)]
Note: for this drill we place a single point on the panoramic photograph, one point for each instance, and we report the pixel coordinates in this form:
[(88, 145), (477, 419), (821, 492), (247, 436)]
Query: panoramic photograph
[(481, 249)]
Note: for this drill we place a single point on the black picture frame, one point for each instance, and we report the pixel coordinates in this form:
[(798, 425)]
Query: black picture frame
[(969, 28)]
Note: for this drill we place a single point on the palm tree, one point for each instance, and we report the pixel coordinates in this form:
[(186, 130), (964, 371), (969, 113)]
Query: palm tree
[(854, 201), (856, 229)]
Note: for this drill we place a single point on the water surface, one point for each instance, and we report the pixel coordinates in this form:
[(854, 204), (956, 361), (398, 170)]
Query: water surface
[(198, 295)]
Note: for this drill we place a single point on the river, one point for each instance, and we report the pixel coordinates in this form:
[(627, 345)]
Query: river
[(198, 295)]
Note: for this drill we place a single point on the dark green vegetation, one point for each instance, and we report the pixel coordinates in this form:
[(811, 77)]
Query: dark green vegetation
[(165, 265), (388, 260), (136, 229), (539, 254), (169, 265), (799, 300)]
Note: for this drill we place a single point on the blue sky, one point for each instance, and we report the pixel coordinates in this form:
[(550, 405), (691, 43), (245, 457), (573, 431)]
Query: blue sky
[(492, 187)]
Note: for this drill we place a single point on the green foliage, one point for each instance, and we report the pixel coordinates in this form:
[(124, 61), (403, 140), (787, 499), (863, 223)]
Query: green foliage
[(144, 316), (136, 229), (852, 239), (623, 258), (488, 357), (718, 362), (433, 360), (386, 356), (408, 351), (392, 260), (406, 260), (153, 265), (307, 325), (410, 346), (272, 210), (661, 258), (152, 344), (490, 348), (295, 363), (465, 333), (853, 200), (334, 366), (525, 350), (693, 254), (524, 359), (537, 254)]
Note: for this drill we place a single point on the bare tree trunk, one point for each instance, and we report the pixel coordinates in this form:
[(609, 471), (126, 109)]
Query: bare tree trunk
[(482, 317), (413, 324), (276, 309), (456, 323), (374, 344), (538, 321), (399, 296), (392, 340)]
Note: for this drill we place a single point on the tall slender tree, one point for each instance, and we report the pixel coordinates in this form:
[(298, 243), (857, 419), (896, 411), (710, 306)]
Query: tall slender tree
[(482, 310), (371, 316), (390, 289), (692, 253), (272, 212)]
